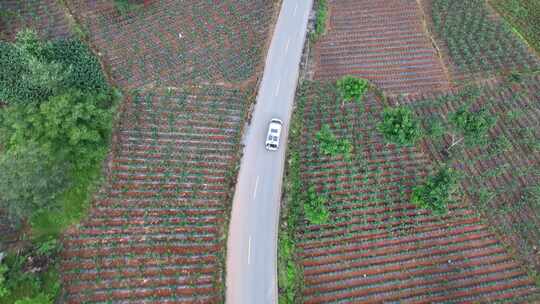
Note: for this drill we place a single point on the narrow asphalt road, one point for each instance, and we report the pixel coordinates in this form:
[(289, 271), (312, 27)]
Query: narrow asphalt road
[(252, 242)]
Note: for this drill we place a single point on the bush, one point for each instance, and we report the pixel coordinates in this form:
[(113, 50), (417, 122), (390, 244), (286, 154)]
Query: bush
[(473, 125), (435, 193), (400, 126), (330, 145), (352, 88), (314, 207)]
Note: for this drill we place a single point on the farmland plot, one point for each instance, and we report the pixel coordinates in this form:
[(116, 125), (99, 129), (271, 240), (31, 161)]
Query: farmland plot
[(47, 17), (169, 42), (155, 233), (476, 40), (502, 175), (383, 41), (376, 246)]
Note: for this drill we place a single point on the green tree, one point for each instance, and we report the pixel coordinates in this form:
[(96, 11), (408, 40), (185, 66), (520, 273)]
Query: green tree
[(314, 207), (399, 125), (72, 125), (29, 183), (330, 145), (32, 70), (352, 88), (436, 192), (473, 126)]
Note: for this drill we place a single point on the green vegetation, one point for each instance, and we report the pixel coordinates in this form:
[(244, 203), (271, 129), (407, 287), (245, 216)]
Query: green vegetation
[(330, 145), (32, 275), (436, 192), (32, 71), (321, 19), (476, 42), (126, 6), (314, 207), (54, 132), (524, 16), (473, 126), (289, 271), (400, 126), (352, 88)]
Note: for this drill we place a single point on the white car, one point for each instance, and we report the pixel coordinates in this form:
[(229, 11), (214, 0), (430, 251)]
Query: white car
[(274, 131)]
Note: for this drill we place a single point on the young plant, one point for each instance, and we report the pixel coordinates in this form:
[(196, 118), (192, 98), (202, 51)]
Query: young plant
[(400, 126), (436, 192)]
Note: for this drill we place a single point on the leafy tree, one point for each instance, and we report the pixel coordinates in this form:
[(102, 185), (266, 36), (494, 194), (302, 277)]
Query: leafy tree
[(473, 126), (71, 125), (330, 145), (32, 70), (352, 88), (435, 193), (29, 182), (314, 207), (400, 126)]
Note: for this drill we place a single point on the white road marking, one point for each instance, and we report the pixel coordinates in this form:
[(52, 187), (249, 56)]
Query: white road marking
[(249, 250), (295, 9), (277, 88), (256, 185), (287, 46)]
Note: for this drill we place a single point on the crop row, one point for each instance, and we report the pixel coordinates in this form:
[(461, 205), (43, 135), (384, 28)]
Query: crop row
[(499, 173), (384, 42), (477, 40), (154, 232), (377, 246), (179, 42)]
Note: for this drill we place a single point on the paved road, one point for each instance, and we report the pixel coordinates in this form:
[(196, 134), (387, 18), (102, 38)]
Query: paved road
[(252, 243)]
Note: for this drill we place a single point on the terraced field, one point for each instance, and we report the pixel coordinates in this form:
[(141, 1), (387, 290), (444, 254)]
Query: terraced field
[(502, 176), (45, 16), (378, 247), (383, 41), (169, 43), (155, 233)]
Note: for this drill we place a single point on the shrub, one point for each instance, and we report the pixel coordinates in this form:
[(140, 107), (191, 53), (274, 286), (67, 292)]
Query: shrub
[(314, 207), (352, 88), (400, 126), (472, 125), (330, 145), (436, 192)]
